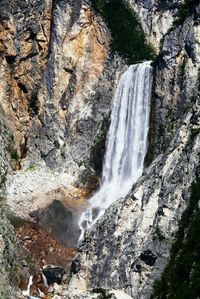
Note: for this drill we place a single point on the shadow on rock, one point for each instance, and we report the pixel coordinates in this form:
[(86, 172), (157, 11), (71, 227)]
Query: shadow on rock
[(61, 221)]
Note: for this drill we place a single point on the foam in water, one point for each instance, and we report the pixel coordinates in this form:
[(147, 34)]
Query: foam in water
[(126, 144)]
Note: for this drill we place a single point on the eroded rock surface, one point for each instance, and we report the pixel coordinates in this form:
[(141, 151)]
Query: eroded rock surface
[(9, 251), (129, 247), (57, 80), (25, 34), (177, 77), (156, 17)]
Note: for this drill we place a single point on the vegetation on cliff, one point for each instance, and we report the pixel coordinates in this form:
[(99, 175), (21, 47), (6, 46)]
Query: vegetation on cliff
[(181, 278), (186, 9), (128, 38)]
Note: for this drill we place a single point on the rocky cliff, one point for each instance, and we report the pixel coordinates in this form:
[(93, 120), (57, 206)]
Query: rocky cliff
[(177, 76), (129, 247), (132, 242), (60, 63), (9, 247), (58, 77), (156, 18)]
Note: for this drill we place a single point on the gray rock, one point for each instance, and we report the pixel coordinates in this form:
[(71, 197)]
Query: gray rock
[(129, 246), (69, 132), (176, 80), (8, 243), (156, 18)]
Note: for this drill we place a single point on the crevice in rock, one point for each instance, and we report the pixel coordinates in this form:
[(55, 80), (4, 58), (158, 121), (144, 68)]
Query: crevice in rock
[(10, 59), (22, 86), (148, 257), (24, 148), (33, 105), (30, 55)]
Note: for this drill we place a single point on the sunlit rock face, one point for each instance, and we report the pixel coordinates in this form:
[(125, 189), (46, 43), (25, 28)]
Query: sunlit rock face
[(156, 17), (76, 93), (57, 80), (132, 240), (25, 34), (177, 78), (177, 74), (128, 248)]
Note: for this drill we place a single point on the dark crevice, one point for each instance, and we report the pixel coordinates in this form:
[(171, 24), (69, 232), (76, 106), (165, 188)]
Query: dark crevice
[(39, 47), (148, 258), (33, 105), (32, 36), (24, 148), (10, 59), (44, 156), (22, 86), (30, 55)]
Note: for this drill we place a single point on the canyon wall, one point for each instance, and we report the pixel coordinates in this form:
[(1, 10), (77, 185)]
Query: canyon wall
[(58, 78), (128, 249), (58, 74), (9, 248)]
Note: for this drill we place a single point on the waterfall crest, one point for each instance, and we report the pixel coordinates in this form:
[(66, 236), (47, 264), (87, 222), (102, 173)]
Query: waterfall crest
[(126, 144)]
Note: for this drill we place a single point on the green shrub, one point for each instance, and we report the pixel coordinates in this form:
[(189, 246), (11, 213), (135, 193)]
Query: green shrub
[(128, 39)]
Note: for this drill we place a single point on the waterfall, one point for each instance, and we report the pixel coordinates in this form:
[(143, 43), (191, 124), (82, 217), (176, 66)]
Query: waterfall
[(126, 144)]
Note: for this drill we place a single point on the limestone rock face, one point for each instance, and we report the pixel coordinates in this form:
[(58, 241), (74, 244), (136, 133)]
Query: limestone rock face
[(8, 243), (156, 17), (177, 77), (177, 72), (57, 80), (25, 33), (76, 93), (57, 83), (9, 259), (6, 147), (129, 246)]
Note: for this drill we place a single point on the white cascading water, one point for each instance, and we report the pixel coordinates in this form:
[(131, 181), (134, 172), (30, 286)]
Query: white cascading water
[(126, 144)]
